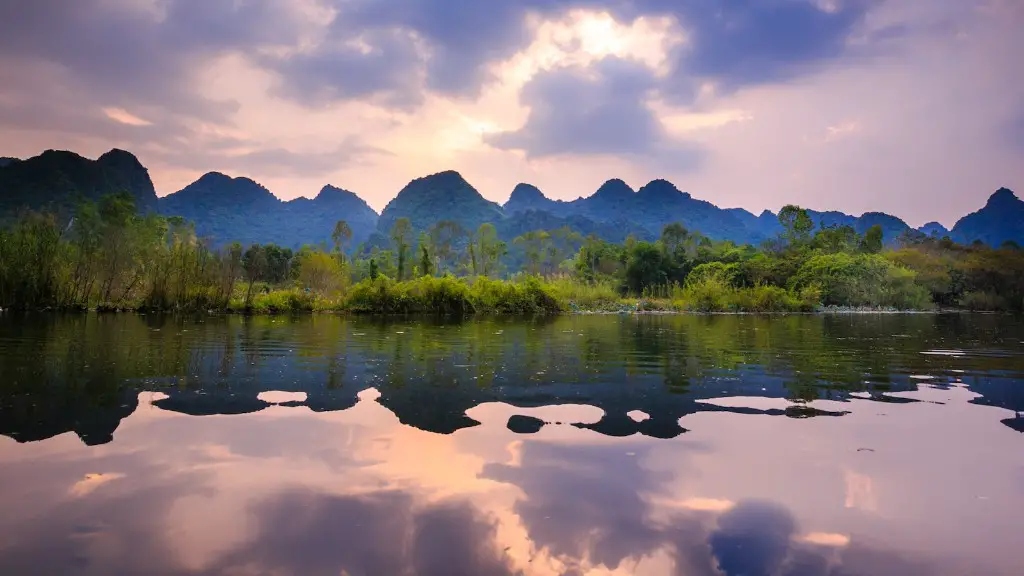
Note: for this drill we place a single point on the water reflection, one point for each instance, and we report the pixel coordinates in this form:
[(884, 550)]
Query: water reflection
[(81, 373), (799, 446)]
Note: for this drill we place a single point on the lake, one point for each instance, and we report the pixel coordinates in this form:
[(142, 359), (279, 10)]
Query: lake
[(580, 445)]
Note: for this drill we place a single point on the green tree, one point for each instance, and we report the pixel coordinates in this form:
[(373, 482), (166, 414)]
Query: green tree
[(872, 243), (445, 236), (255, 266), (490, 250), (342, 236), (533, 244), (645, 267), (797, 225), (400, 238), (426, 264)]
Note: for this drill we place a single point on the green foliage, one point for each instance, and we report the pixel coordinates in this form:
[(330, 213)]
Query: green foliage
[(872, 243), (797, 225), (528, 297), (727, 274), (108, 256), (645, 267)]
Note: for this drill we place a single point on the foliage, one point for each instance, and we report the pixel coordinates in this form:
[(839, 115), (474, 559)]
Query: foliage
[(110, 256)]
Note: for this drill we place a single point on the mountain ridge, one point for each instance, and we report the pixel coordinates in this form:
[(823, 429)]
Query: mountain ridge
[(58, 179), (239, 208)]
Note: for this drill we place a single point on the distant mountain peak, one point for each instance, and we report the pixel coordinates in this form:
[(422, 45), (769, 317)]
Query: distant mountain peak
[(1002, 196), (213, 178), (445, 177), (662, 188), (524, 191), (118, 157), (935, 229), (330, 191), (614, 188)]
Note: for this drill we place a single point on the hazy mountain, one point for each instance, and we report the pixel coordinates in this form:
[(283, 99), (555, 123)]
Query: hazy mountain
[(1000, 220), (648, 209), (441, 196), (520, 223), (58, 180), (660, 203), (934, 230), (526, 197), (227, 209)]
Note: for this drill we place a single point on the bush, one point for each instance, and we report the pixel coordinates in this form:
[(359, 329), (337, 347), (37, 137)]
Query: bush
[(526, 297), (576, 293), (720, 271), (276, 302), (707, 294)]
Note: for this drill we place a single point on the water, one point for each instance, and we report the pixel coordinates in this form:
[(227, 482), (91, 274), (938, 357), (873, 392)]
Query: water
[(842, 445)]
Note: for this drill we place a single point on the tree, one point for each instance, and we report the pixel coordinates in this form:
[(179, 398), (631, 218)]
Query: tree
[(872, 243), (444, 237), (835, 239), (400, 233), (490, 250), (255, 265), (426, 264), (644, 267), (320, 272), (116, 213), (341, 236), (374, 271), (232, 268), (797, 225), (533, 244)]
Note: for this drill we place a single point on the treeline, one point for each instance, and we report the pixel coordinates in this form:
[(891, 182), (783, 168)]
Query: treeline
[(109, 256)]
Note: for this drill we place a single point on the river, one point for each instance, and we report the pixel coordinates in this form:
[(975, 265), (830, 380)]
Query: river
[(798, 445)]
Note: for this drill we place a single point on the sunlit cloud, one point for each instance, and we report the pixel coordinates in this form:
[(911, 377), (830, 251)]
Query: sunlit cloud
[(91, 482), (826, 539), (124, 117)]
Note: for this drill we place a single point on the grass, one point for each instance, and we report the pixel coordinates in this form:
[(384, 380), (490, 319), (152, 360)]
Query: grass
[(711, 294), (523, 296)]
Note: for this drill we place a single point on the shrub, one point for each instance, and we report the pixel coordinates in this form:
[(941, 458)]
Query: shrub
[(526, 297)]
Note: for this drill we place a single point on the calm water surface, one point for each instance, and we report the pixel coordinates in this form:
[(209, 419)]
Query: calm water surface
[(682, 445)]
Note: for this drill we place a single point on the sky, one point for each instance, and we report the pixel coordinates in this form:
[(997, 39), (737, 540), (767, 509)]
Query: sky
[(912, 107)]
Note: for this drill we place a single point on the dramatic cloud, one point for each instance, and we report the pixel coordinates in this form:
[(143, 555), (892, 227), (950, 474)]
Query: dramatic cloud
[(602, 110), (838, 104)]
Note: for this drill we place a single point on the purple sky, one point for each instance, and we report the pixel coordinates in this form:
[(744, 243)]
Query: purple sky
[(913, 107)]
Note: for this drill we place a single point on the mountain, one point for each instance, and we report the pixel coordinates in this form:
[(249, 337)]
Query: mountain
[(1000, 220), (934, 230), (527, 197), (441, 196), (57, 180), (5, 160), (645, 211), (520, 223), (660, 203), (230, 209)]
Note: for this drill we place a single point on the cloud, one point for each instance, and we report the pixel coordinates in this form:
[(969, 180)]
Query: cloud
[(735, 43), (381, 65), (379, 533), (600, 110), (273, 161)]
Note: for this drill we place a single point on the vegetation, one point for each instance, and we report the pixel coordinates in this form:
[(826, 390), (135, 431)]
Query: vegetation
[(108, 256)]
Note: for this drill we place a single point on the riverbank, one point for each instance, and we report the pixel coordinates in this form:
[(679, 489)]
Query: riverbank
[(526, 296)]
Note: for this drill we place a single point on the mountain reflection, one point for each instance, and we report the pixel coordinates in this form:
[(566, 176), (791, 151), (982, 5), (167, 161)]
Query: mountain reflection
[(82, 373)]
